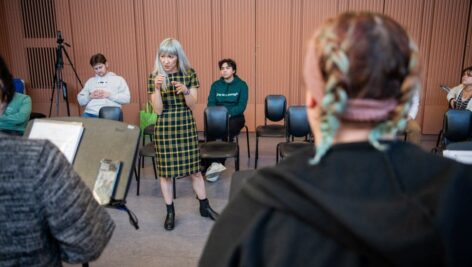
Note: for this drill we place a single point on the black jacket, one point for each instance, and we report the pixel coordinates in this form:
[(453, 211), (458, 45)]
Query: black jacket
[(357, 207)]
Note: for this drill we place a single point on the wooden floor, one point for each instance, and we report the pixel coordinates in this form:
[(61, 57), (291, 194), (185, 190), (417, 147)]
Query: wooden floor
[(151, 245)]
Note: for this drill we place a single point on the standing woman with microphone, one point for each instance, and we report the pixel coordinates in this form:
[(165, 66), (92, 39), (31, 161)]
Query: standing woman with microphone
[(173, 87)]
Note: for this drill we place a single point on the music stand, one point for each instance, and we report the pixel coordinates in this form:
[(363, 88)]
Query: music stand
[(105, 139)]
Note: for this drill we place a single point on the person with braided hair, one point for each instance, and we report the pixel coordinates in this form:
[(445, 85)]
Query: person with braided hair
[(359, 197)]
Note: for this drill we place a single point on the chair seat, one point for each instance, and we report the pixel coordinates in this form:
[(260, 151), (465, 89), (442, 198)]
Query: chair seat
[(147, 150), (287, 149), (218, 149), (270, 130), (464, 145)]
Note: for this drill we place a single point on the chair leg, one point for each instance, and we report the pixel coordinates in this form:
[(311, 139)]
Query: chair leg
[(237, 161), (257, 152), (154, 167), (173, 188), (138, 178), (247, 140), (141, 161), (277, 154)]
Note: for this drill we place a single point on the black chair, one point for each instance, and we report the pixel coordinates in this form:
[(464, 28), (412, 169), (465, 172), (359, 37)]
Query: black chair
[(149, 151), (274, 110), (111, 113), (296, 124), (457, 127), (20, 87), (148, 132), (465, 145), (216, 126)]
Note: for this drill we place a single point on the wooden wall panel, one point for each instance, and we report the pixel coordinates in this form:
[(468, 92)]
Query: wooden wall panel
[(361, 5), (194, 28), (296, 92), (108, 27), (236, 38), (468, 44), (445, 63), (267, 38), (273, 51), (411, 15), (4, 45), (313, 15)]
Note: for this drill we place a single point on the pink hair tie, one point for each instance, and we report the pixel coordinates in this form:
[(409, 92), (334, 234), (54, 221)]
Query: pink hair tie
[(368, 110)]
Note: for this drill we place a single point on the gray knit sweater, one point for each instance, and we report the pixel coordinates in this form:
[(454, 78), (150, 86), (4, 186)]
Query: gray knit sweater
[(47, 214)]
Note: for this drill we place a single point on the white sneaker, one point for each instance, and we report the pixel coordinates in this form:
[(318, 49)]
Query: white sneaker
[(213, 172)]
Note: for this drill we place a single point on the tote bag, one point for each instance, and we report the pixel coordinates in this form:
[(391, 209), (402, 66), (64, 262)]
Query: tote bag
[(147, 116)]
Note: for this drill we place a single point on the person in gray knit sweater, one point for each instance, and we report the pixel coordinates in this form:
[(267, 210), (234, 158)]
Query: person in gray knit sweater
[(47, 214)]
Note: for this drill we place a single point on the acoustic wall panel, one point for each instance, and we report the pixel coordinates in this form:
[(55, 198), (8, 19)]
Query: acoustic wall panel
[(4, 45), (107, 27), (273, 51), (411, 15), (445, 63), (234, 37), (362, 5), (468, 44), (314, 13), (266, 38), (194, 27)]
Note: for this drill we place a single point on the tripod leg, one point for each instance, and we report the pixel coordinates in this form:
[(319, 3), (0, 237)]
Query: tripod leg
[(65, 96), (52, 93)]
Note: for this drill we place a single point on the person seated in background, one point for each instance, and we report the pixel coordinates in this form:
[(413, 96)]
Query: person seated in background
[(231, 92), (48, 214), (16, 115), (459, 96), (363, 198), (104, 90)]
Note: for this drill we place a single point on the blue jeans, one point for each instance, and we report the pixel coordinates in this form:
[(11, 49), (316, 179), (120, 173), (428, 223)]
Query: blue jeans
[(89, 115)]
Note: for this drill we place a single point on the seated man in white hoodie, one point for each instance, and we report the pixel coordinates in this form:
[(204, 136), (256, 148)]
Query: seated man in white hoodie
[(103, 90)]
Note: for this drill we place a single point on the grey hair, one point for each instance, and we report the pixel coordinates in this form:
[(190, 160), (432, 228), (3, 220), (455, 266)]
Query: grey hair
[(173, 47)]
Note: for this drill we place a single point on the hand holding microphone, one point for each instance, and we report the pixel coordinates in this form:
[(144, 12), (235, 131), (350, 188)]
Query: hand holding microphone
[(180, 88)]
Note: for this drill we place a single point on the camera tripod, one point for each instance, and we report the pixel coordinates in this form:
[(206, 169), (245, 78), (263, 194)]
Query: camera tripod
[(58, 84)]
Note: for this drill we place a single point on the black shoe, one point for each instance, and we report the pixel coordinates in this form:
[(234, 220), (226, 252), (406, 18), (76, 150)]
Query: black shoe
[(206, 210), (170, 218)]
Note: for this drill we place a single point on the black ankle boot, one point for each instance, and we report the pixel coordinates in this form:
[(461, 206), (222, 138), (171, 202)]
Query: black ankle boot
[(170, 218), (206, 210)]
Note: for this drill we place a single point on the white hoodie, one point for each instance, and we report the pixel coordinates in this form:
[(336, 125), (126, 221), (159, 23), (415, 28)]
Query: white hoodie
[(116, 85)]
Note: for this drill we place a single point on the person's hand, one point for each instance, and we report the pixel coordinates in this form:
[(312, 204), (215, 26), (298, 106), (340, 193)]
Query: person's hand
[(158, 80), (104, 93), (95, 94), (452, 103), (180, 88)]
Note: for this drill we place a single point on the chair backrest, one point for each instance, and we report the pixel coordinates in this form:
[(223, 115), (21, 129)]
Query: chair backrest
[(216, 122), (111, 113), (457, 125), (274, 108), (19, 85), (296, 122)]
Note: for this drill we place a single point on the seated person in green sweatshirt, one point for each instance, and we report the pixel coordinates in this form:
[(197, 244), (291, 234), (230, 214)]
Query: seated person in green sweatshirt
[(230, 91), (16, 115)]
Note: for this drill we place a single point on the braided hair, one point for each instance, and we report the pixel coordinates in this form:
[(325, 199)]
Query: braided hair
[(364, 56)]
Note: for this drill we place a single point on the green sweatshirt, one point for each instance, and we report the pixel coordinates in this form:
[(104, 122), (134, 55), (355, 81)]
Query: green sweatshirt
[(16, 115), (232, 95)]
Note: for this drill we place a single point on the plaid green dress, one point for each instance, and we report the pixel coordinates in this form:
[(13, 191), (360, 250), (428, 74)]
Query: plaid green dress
[(176, 139)]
